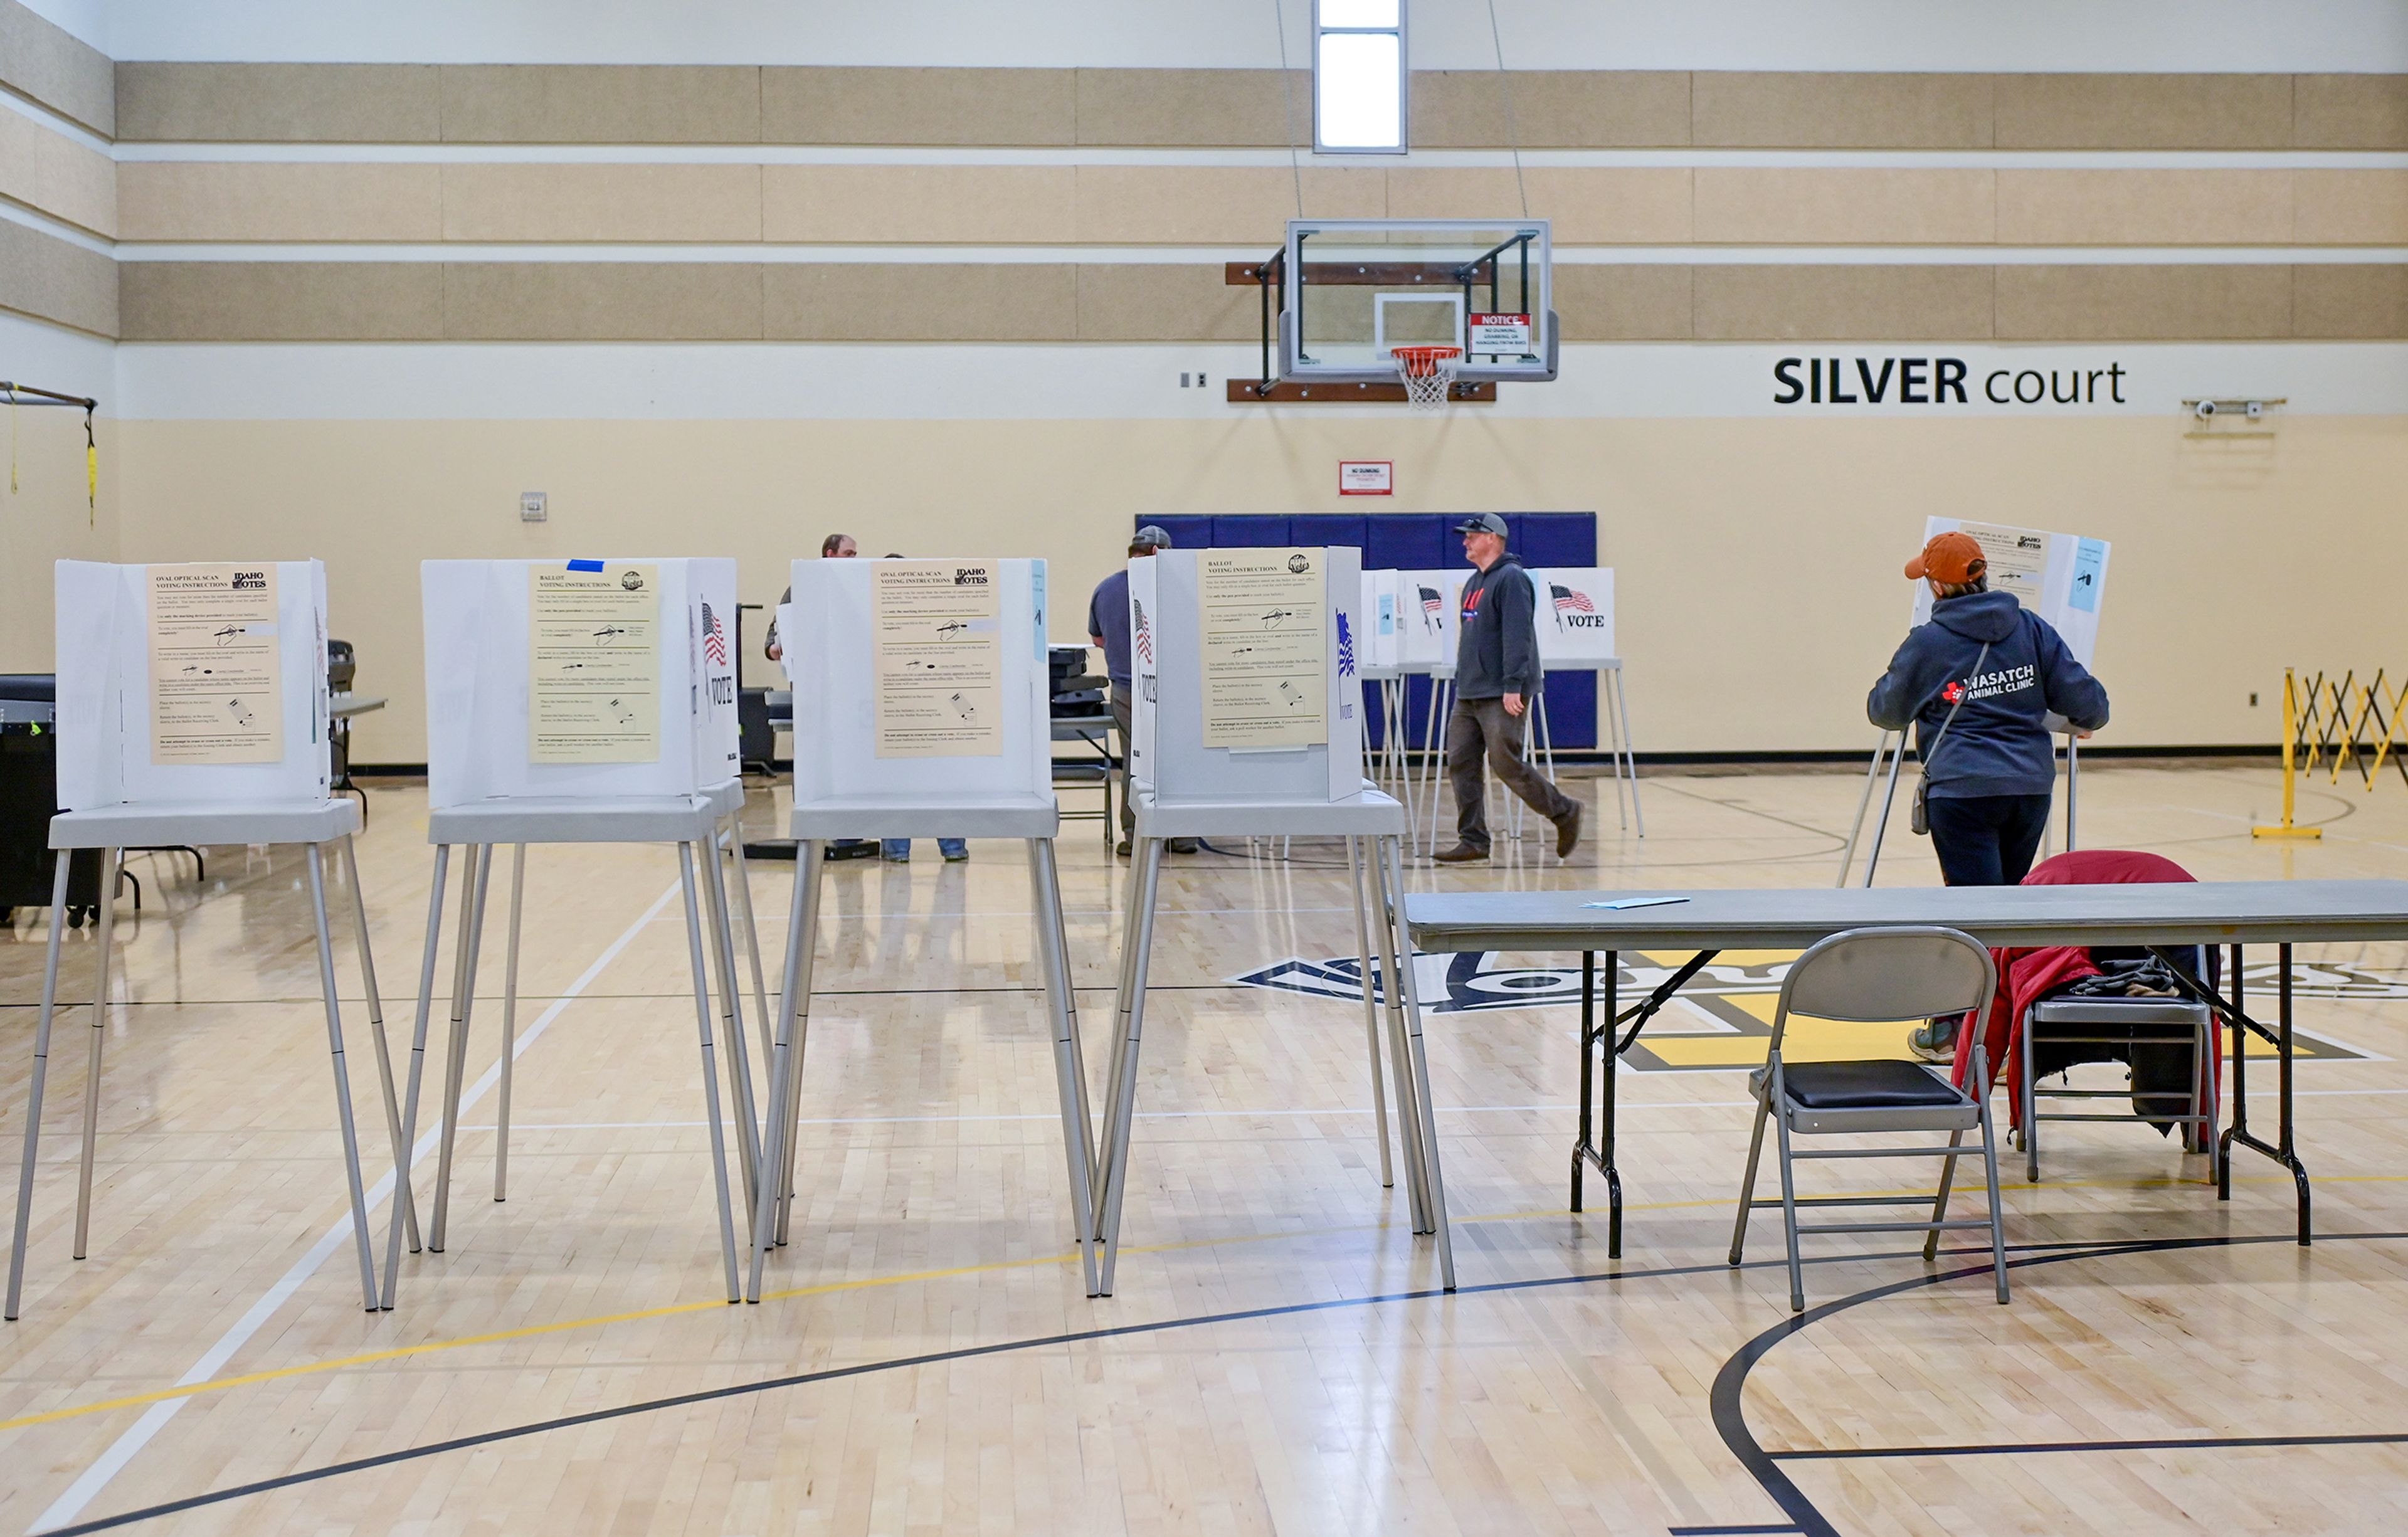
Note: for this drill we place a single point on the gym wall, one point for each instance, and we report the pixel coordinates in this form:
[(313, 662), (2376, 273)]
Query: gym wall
[(349, 282)]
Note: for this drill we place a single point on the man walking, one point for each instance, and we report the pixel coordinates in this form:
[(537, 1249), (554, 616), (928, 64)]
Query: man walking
[(1108, 631), (1497, 676)]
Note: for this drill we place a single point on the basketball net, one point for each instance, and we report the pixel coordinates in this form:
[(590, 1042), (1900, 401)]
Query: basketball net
[(1427, 373)]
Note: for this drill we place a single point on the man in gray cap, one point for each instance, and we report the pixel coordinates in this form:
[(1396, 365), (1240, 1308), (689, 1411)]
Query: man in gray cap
[(1107, 630), (1497, 675)]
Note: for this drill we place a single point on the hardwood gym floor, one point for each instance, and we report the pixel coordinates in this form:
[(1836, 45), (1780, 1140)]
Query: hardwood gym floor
[(1276, 1359)]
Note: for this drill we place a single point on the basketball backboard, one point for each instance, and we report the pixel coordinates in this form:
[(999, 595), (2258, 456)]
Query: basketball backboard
[(1354, 289)]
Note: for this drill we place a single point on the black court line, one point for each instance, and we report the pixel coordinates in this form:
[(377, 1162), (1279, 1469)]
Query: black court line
[(1727, 1531), (1759, 1462), (1730, 1383), (2159, 1443)]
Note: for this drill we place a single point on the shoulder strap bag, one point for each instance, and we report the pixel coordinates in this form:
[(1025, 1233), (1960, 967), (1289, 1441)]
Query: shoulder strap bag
[(1920, 818)]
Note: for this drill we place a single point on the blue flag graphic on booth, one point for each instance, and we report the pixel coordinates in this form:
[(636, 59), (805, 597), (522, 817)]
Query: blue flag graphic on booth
[(1345, 646)]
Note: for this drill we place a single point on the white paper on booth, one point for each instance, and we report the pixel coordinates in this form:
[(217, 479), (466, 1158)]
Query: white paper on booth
[(936, 658), (2018, 561), (593, 663), (1265, 674), (217, 668)]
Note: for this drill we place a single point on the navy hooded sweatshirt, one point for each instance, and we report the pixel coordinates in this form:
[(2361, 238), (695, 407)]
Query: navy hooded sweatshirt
[(2001, 743)]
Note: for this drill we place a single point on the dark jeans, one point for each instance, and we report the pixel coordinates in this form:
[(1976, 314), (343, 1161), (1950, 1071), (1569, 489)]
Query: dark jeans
[(1986, 840), (1121, 709), (1480, 729)]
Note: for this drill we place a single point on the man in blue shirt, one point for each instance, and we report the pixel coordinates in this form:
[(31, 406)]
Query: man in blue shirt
[(1107, 630)]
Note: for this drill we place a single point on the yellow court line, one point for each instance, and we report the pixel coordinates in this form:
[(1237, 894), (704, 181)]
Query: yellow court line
[(134, 1401)]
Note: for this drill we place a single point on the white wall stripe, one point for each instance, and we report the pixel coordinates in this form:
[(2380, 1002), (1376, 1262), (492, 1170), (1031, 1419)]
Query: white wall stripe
[(231, 250)]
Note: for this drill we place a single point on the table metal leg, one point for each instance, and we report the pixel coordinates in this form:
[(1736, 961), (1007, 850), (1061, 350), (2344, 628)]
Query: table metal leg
[(405, 1148), (401, 1192), (731, 1017), (34, 1086), (1608, 1079), (2285, 1148), (110, 861), (342, 1080), (1370, 1009), (687, 853), (1588, 1071), (1435, 1179), (1388, 933), (473, 881), (778, 1133), (509, 1024), (1125, 1058), (1077, 1133), (2240, 1084)]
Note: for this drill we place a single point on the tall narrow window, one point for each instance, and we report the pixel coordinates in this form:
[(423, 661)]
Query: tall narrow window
[(1358, 76)]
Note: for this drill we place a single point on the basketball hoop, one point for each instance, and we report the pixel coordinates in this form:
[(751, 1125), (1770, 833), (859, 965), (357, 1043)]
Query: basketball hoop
[(1427, 373)]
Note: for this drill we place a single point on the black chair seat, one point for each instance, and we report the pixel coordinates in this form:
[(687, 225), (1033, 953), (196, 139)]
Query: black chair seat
[(1866, 1085)]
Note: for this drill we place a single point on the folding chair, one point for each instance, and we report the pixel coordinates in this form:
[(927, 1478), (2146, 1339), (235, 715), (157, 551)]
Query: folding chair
[(1874, 976), (2125, 1023)]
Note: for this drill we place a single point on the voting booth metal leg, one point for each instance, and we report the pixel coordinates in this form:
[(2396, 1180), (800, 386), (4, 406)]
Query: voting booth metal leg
[(801, 1032), (1139, 939), (1394, 956), (343, 1078), (111, 861), (1390, 850), (1370, 1008), (1627, 757), (473, 881), (401, 1192), (402, 1157), (1864, 803), (731, 1016), (1889, 798), (2072, 791), (686, 855), (1078, 1132), (509, 1024), (34, 1086), (786, 1062), (751, 932)]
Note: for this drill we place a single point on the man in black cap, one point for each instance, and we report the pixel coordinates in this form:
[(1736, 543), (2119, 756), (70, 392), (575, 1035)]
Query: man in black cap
[(1107, 630), (1497, 675)]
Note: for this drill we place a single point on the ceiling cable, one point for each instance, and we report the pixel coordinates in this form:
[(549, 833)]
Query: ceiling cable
[(1505, 95), (1287, 104)]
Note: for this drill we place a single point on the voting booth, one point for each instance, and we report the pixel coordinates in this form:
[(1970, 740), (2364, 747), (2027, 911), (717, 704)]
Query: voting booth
[(1247, 667), (580, 701), (192, 709), (1576, 627), (922, 709), (2060, 577)]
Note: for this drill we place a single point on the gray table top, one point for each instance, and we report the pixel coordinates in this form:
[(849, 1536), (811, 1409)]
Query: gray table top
[(2203, 913), (342, 707)]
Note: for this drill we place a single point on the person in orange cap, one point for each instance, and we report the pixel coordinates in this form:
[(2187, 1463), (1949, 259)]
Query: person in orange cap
[(1980, 681)]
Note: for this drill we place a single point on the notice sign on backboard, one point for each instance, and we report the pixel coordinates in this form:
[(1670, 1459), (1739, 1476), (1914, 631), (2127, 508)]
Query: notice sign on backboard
[(1367, 477), (1507, 334)]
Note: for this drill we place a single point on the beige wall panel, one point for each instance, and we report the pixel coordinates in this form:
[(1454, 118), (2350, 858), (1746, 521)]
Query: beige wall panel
[(601, 301), (833, 105), (282, 301), (1198, 107), (1549, 109), (920, 301), (1842, 303), (1900, 112), (2350, 207), (21, 157), (643, 203), (280, 103), (1815, 205), (2143, 112), (1214, 205), (44, 276), (1154, 302), (77, 184), (2350, 111), (1617, 303), (278, 200), (941, 205), (2180, 303), (56, 68), (601, 104), (2349, 302), (2122, 208), (1771, 506), (1589, 206)]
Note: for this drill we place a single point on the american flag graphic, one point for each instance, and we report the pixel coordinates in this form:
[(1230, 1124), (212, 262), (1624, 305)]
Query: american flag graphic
[(1566, 599), (715, 638), (1144, 633), (1431, 601), (1345, 646)]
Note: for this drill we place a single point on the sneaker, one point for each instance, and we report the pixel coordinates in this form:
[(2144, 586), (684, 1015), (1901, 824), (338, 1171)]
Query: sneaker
[(1935, 1039), (1122, 848), (1567, 832), (1462, 854), (957, 856), (896, 858), (1184, 845)]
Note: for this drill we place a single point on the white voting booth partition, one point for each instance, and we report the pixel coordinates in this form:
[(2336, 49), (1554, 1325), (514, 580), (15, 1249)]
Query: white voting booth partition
[(575, 702), (1379, 650), (2060, 577), (1247, 670), (192, 710), (1576, 634), (1428, 607), (920, 712)]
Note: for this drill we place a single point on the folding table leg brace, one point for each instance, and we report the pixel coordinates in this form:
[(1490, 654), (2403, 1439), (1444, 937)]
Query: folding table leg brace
[(110, 859), (770, 1212)]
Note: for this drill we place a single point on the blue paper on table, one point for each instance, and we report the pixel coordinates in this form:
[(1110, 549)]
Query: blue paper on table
[(1636, 901)]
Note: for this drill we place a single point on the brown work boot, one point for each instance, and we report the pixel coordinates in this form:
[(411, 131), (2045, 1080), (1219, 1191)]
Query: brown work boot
[(1462, 854), (1567, 832)]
